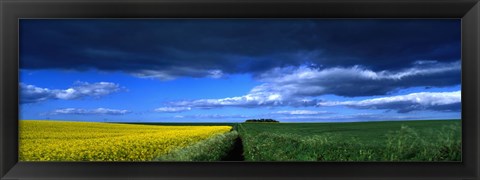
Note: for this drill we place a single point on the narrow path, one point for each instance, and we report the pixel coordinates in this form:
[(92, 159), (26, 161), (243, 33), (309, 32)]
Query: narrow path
[(236, 154)]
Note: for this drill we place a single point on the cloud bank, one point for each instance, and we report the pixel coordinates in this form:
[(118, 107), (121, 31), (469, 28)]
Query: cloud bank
[(356, 80), (301, 87)]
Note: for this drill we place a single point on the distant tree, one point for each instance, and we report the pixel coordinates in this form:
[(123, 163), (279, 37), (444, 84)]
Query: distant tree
[(262, 120)]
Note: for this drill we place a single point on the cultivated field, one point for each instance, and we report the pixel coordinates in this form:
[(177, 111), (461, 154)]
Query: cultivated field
[(438, 140), (363, 141), (88, 141)]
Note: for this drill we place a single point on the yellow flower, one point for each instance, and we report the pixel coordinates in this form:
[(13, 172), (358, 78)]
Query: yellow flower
[(90, 141)]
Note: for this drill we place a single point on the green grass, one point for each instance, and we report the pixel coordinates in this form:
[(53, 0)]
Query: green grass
[(212, 149), (438, 140)]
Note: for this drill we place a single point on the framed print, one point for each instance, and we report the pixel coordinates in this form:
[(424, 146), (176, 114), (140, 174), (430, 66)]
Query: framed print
[(224, 89), (189, 89)]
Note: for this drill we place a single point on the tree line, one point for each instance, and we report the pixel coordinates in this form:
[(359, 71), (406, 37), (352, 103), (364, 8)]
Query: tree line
[(262, 120)]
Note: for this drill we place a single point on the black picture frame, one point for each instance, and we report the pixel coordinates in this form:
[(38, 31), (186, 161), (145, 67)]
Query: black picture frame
[(12, 10)]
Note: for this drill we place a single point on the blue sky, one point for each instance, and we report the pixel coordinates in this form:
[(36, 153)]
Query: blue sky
[(219, 70)]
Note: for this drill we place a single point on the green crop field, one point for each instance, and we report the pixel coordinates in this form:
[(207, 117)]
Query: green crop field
[(363, 141)]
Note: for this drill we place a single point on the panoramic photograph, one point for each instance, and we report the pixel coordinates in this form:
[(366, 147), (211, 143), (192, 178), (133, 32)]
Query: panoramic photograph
[(156, 90)]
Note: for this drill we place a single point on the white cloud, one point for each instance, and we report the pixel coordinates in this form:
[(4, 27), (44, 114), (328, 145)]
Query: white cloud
[(82, 89), (405, 103), (250, 100), (211, 116), (215, 74), (294, 74), (300, 112), (247, 100), (172, 109), (152, 74), (32, 94), (98, 111)]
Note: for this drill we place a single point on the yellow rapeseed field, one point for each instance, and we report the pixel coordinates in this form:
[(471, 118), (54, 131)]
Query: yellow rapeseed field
[(42, 140)]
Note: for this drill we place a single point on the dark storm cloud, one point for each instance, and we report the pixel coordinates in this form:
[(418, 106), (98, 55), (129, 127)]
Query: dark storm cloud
[(167, 49)]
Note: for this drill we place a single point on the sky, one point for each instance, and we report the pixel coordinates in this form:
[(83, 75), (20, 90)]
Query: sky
[(230, 70)]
